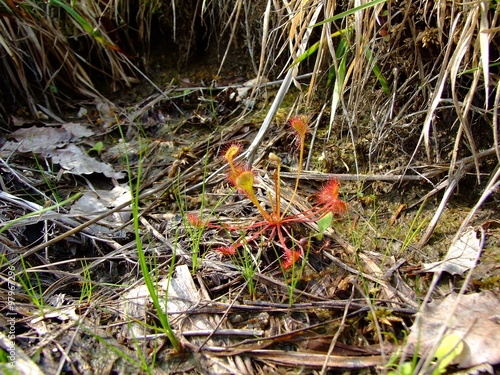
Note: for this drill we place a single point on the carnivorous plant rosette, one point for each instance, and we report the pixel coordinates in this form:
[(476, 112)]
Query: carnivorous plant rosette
[(277, 223)]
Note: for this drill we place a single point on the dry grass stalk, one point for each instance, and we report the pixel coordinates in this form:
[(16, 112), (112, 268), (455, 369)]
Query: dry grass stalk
[(42, 62), (460, 35)]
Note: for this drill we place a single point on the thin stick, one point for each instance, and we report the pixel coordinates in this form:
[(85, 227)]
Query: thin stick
[(279, 96), (79, 228)]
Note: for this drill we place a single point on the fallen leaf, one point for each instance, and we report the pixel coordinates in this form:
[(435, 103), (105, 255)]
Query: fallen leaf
[(476, 320), (56, 142), (38, 140), (461, 256), (75, 161), (77, 130), (92, 202)]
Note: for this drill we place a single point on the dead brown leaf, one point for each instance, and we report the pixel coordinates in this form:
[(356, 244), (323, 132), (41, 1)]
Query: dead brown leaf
[(74, 160), (461, 256), (476, 319)]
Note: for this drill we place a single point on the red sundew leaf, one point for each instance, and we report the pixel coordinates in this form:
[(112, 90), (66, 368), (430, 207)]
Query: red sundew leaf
[(234, 173), (195, 221), (300, 125), (245, 181), (337, 207), (328, 196), (232, 151), (329, 192), (227, 250), (291, 256)]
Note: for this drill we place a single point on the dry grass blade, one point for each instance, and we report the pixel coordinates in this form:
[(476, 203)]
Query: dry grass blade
[(484, 42), (40, 61), (236, 11), (451, 186), (262, 59), (297, 49), (436, 97), (455, 62), (495, 121), (298, 359)]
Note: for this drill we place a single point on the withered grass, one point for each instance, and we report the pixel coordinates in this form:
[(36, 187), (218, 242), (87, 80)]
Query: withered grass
[(434, 135)]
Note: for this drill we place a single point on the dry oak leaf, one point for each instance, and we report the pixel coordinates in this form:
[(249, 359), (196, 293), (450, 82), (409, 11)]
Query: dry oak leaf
[(40, 139), (75, 161), (461, 256), (476, 319)]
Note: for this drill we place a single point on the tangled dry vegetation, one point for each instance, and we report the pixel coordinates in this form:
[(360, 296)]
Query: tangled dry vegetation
[(116, 204)]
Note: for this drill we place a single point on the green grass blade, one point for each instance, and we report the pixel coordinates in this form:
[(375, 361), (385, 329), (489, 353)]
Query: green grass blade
[(337, 86), (350, 11), (339, 54), (315, 47), (378, 73), (39, 212), (135, 189), (73, 13), (84, 24)]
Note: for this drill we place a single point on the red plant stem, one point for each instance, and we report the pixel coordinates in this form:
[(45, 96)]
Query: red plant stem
[(258, 233), (282, 241), (256, 225), (288, 233), (311, 215)]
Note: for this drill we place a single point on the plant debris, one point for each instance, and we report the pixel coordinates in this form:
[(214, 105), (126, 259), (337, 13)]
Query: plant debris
[(461, 256), (472, 317), (367, 185)]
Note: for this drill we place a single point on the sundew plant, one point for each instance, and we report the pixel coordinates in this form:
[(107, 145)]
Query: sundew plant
[(275, 224)]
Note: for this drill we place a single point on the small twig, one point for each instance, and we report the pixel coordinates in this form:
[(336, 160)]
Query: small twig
[(356, 177), (452, 184), (377, 280), (340, 329), (79, 228), (209, 332)]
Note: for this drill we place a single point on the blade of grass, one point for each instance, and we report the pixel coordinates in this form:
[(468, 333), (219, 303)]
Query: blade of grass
[(436, 98), (8, 224), (350, 11), (376, 70), (85, 25), (462, 109), (485, 48), (339, 73), (135, 189), (311, 50), (250, 152)]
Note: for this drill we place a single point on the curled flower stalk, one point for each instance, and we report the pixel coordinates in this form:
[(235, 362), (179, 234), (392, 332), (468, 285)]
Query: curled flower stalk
[(301, 128)]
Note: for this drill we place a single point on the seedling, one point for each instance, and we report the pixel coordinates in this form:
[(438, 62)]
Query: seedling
[(277, 222), (450, 347), (98, 147)]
